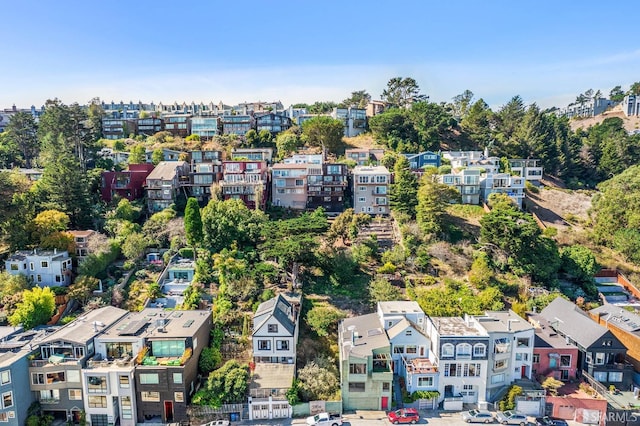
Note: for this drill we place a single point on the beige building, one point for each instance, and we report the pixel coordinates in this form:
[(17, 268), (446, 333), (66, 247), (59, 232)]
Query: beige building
[(289, 185), (371, 189)]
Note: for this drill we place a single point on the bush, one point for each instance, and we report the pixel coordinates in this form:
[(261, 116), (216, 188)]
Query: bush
[(509, 401), (324, 319), (387, 268), (186, 252)]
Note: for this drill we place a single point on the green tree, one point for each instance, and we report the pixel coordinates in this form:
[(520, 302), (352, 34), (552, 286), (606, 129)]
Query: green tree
[(134, 245), (325, 132), (193, 222), (157, 156), (318, 380), (224, 222), (210, 359), (321, 107), (12, 284), (579, 262), (226, 385), (635, 88), (509, 118), (395, 129), (433, 124), (286, 143), (9, 152), (324, 319), (381, 290), (616, 94), (404, 189), (358, 99), (402, 92), (478, 123), (461, 104), (481, 273), (22, 132), (347, 225), (251, 138), (137, 154), (82, 289), (433, 198), (50, 221), (265, 137), (35, 308)]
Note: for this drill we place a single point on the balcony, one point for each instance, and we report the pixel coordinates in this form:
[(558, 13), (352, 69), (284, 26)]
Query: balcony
[(49, 401), (382, 375), (122, 362)]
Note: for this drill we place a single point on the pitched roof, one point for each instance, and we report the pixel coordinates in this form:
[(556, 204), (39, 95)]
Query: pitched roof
[(399, 327), (571, 321), (279, 308)]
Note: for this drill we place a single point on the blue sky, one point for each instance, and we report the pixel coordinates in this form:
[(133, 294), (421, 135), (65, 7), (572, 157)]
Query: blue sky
[(303, 51)]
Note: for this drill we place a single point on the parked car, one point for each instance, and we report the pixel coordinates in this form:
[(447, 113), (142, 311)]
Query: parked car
[(550, 421), (512, 418), (477, 416), (217, 423), (404, 415), (325, 419)]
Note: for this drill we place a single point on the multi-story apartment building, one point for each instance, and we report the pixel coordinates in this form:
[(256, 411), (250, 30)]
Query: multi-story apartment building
[(118, 128), (601, 354), (272, 122), (253, 154), (165, 346), (327, 186), (149, 126), (365, 364), (502, 183), (289, 185), (529, 169), (116, 157), (205, 127), (260, 106), (363, 156), (56, 364), (510, 350), (46, 268), (631, 105), (246, 180), (164, 183), (370, 190), (466, 181), (206, 169), (237, 124), (460, 351), (177, 124), (127, 184), (15, 349), (589, 108), (354, 119)]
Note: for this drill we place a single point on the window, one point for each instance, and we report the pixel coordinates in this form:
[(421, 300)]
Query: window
[(501, 346), (386, 387), (7, 399), (44, 264), (124, 381), (37, 378), (463, 350), (177, 378), (299, 182), (497, 378), (272, 328), (447, 350), (178, 396), (75, 394), (125, 401), (4, 417), (600, 376), (31, 267), (536, 358), (356, 387), (264, 345), (361, 199), (39, 279), (522, 357), (150, 396), (398, 349), (5, 377), (360, 188), (614, 376), (49, 395), (97, 384), (425, 382), (282, 345), (149, 379), (565, 360), (599, 358), (408, 333), (523, 342), (411, 349), (99, 420), (167, 348), (479, 349), (14, 266), (97, 401), (500, 364), (357, 368), (452, 370)]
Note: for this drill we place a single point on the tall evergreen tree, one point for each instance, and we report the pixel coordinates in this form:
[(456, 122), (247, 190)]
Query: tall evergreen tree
[(433, 197), (193, 223), (22, 131), (404, 189)]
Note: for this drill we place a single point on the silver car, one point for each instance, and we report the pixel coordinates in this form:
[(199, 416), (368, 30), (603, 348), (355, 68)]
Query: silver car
[(512, 418), (477, 416)]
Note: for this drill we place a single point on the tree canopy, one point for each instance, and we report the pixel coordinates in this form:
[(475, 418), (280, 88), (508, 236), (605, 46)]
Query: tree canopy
[(324, 132)]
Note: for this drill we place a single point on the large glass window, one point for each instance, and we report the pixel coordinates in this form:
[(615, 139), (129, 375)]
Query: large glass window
[(447, 350), (479, 349), (177, 378), (75, 394), (97, 401), (125, 402), (425, 381), (5, 377), (357, 368), (167, 348), (463, 350), (7, 399), (356, 387), (149, 379), (615, 376), (97, 384), (150, 396), (600, 376)]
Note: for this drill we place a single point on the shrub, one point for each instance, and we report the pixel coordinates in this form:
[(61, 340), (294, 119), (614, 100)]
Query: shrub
[(387, 268), (186, 252)]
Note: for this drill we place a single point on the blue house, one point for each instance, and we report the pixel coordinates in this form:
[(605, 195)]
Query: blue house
[(423, 159)]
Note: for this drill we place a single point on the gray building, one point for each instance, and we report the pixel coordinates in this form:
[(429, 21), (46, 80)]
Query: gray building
[(46, 268)]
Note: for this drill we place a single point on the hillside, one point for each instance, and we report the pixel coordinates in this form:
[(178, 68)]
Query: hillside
[(630, 123)]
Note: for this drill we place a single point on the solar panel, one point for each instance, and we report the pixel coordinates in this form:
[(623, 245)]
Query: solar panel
[(188, 324), (132, 328)]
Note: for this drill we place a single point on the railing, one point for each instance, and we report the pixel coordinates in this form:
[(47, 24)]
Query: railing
[(49, 400), (596, 385), (108, 363)]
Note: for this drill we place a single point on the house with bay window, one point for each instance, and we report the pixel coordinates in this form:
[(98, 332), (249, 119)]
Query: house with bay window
[(370, 190), (57, 362), (275, 331), (460, 350), (46, 268)]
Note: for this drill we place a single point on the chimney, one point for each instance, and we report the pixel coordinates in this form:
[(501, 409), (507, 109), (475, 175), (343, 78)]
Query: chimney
[(55, 251)]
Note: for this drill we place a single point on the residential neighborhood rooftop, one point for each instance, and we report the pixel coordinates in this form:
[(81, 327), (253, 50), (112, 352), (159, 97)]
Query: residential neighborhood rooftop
[(87, 326), (455, 326), (621, 318), (361, 336), (157, 322), (503, 321), (570, 320), (399, 307), (166, 170), (547, 337)]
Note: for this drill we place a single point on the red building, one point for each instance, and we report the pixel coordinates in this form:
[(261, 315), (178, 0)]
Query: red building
[(553, 356), (127, 184), (246, 180)]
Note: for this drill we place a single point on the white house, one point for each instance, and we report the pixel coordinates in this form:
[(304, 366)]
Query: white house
[(275, 331), (370, 190), (47, 268)]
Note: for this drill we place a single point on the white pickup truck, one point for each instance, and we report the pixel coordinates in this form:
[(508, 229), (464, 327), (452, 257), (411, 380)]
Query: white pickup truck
[(325, 419)]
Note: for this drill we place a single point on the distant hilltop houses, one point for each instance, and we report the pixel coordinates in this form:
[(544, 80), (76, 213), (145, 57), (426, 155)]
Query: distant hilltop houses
[(596, 105)]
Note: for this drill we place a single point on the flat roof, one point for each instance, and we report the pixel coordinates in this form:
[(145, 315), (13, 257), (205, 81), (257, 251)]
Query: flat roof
[(503, 321), (455, 326), (146, 323), (400, 307), (166, 170), (370, 170), (361, 336), (83, 328)]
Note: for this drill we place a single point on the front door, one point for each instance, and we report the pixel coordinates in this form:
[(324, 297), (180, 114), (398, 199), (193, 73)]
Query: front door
[(168, 411), (523, 372), (384, 403)]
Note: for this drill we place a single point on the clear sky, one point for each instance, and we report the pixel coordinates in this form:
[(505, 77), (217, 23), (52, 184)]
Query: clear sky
[(308, 50)]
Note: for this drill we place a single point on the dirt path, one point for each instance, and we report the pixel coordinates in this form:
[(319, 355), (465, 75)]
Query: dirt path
[(560, 208)]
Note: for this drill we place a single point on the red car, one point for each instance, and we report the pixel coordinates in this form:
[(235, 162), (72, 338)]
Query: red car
[(404, 415)]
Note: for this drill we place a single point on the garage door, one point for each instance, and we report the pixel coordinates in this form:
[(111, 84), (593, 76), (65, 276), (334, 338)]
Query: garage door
[(280, 411), (260, 411), (530, 408)]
